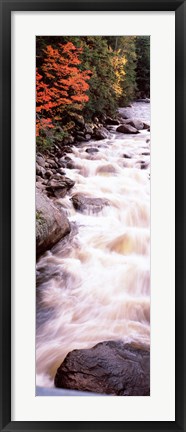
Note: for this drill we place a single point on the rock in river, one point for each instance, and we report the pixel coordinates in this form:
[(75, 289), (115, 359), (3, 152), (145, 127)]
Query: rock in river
[(85, 203), (51, 223), (127, 129), (111, 367)]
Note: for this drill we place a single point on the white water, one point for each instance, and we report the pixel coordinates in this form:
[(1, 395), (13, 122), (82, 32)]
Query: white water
[(98, 285)]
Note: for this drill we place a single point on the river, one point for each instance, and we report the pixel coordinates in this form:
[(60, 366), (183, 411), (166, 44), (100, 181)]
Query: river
[(96, 283)]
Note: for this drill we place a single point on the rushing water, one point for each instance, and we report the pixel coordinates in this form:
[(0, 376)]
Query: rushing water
[(94, 285)]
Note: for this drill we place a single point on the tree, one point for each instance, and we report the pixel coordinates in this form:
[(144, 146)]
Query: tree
[(60, 84), (125, 47), (143, 66)]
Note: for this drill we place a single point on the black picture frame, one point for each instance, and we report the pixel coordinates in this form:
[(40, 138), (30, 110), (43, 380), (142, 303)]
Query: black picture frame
[(5, 210)]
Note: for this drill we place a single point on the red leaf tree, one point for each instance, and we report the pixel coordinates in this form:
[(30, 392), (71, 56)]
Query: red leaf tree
[(59, 84)]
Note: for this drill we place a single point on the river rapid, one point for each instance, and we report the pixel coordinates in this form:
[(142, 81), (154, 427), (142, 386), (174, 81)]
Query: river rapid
[(94, 285)]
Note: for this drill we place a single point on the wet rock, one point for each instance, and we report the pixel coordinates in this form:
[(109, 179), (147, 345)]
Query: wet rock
[(61, 171), (91, 150), (144, 165), (100, 133), (40, 171), (111, 367), (84, 203), (106, 169), (49, 174), (51, 224), (80, 138), (110, 121), (87, 137), (127, 156), (40, 186), (123, 115), (146, 126), (67, 149), (137, 124), (127, 129), (52, 163), (40, 161), (89, 128), (59, 188)]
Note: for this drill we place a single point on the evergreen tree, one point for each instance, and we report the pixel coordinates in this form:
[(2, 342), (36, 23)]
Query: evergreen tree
[(143, 66)]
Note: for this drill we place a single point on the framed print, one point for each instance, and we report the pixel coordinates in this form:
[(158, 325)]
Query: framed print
[(92, 215)]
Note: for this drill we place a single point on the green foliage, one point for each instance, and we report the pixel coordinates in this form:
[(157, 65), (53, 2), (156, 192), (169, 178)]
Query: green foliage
[(97, 57), (143, 66)]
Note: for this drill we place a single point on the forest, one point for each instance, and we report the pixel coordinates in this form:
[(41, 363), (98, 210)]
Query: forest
[(89, 75)]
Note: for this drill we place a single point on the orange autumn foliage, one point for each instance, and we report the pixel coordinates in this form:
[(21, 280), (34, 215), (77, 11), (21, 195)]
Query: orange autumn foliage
[(61, 84)]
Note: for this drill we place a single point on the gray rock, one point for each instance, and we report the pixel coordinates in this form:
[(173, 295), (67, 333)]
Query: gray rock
[(40, 160), (87, 137), (52, 163), (123, 115), (137, 124), (89, 129), (51, 224), (48, 174), (59, 188), (110, 121), (100, 133), (111, 367), (146, 126), (91, 150), (61, 171), (83, 203), (40, 171), (127, 129)]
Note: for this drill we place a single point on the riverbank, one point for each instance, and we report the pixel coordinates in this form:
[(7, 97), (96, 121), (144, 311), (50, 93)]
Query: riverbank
[(93, 286)]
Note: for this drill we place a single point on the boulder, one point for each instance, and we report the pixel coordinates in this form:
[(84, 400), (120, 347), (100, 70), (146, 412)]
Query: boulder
[(137, 124), (58, 188), (91, 150), (110, 121), (100, 133), (41, 161), (127, 129), (106, 169), (89, 128), (51, 223), (123, 115), (84, 203), (111, 367), (146, 126)]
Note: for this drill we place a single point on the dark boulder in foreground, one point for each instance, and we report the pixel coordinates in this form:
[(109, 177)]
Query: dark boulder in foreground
[(111, 367), (127, 129), (51, 223), (84, 203)]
